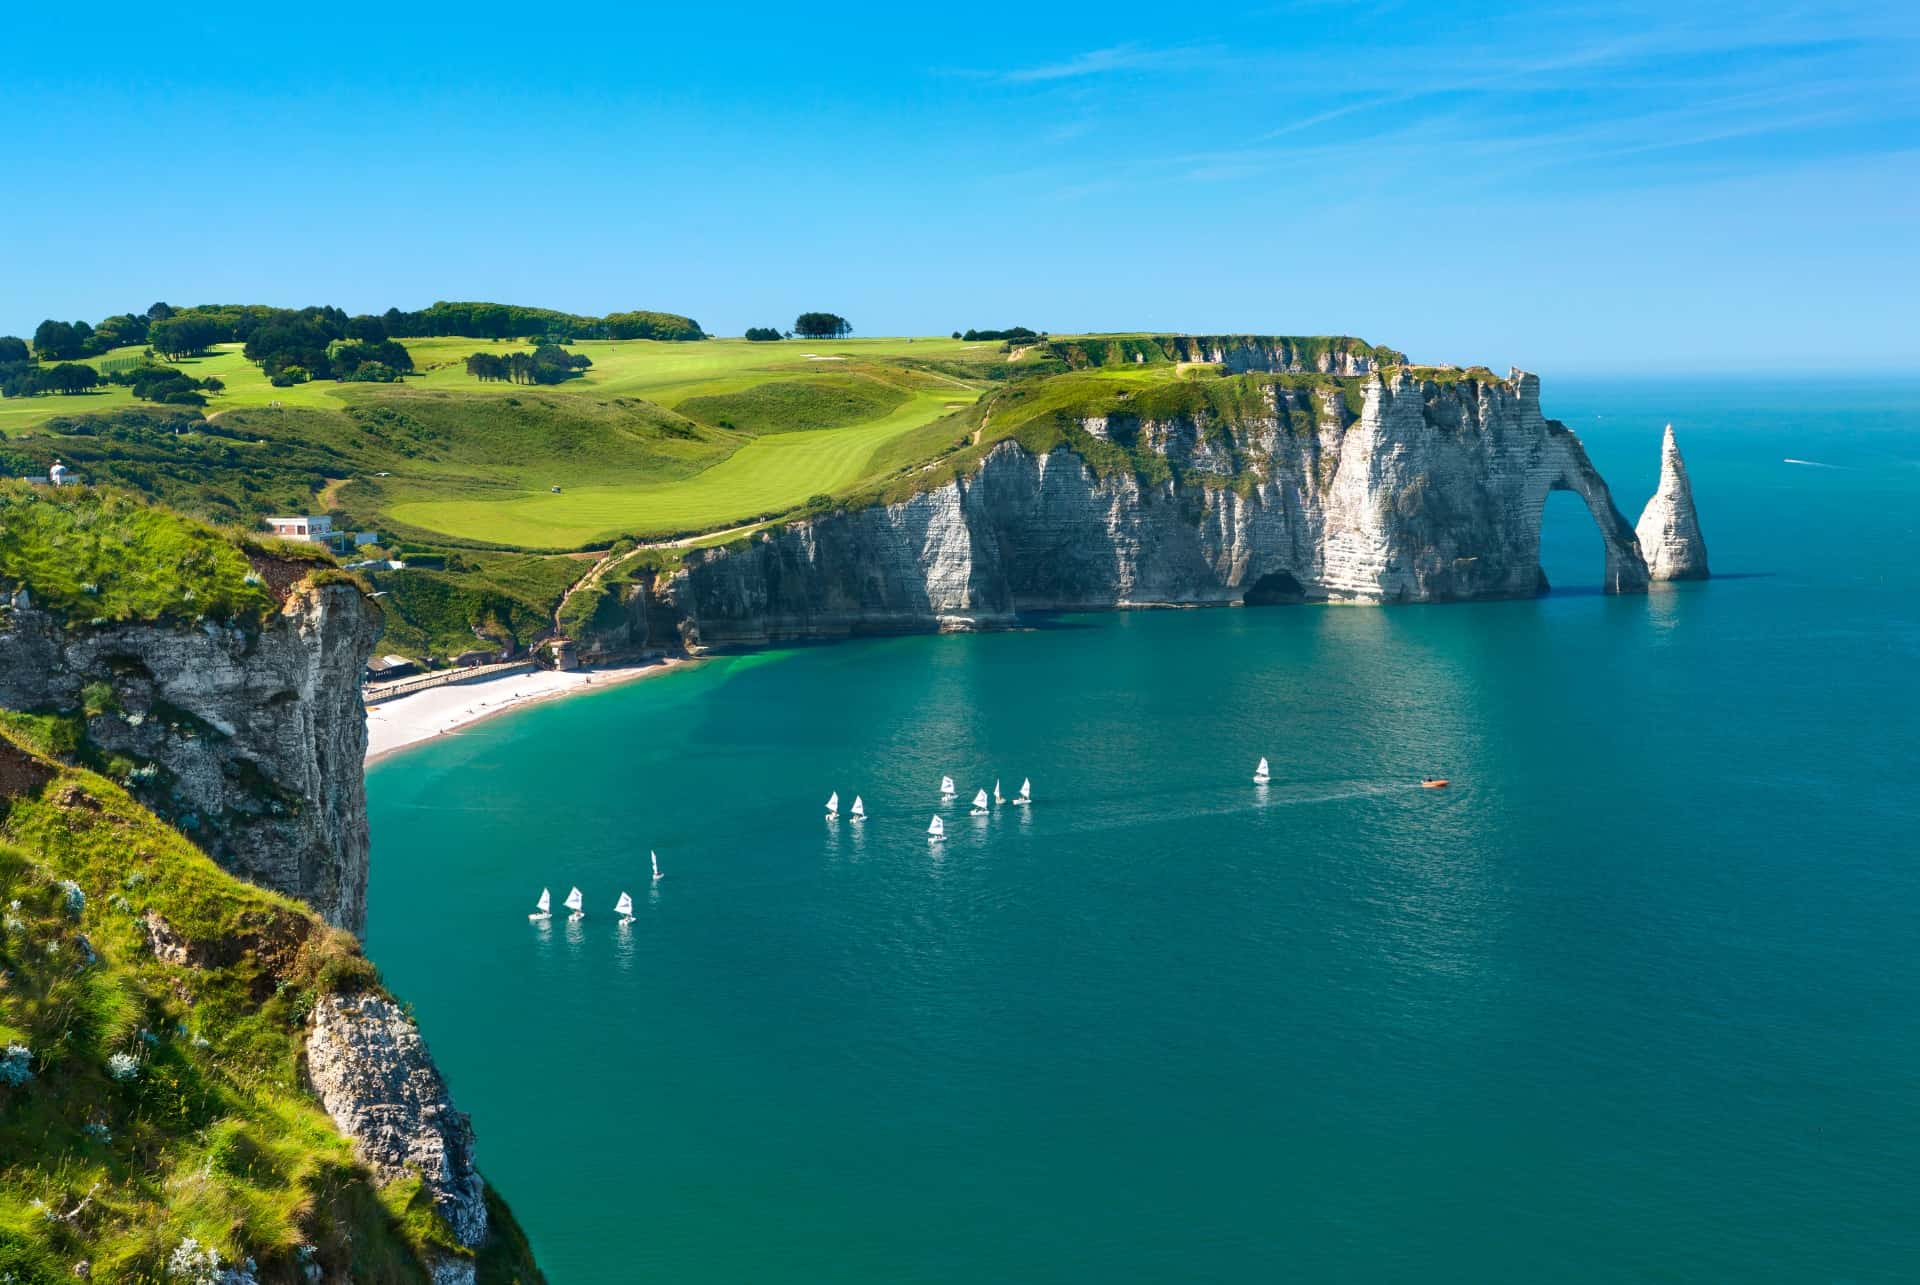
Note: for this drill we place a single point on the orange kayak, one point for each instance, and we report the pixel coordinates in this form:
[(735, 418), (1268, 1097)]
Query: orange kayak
[(1435, 783)]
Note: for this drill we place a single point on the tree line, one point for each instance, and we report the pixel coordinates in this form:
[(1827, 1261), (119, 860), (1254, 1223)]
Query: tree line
[(547, 364), (1018, 334)]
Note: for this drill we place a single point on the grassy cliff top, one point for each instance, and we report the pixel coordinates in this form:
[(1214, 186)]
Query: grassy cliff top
[(144, 1103), (1080, 352), (99, 556)]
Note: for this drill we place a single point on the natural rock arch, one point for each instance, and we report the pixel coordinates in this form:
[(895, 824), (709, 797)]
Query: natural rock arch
[(1625, 570)]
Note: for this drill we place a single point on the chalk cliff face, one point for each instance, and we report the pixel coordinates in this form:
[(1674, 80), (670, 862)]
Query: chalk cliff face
[(1432, 492), (256, 741), (1669, 529)]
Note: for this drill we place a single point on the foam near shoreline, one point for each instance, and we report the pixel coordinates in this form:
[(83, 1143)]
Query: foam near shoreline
[(406, 721)]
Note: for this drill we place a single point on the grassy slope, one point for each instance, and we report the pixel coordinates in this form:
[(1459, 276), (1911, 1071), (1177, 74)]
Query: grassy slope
[(475, 462), (94, 554), (213, 1136)]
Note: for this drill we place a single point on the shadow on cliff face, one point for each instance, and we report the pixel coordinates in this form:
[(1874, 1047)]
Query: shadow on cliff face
[(1275, 589)]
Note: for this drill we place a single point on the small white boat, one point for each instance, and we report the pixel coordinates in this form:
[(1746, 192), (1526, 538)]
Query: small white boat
[(980, 804), (1026, 793), (574, 903), (1260, 775), (545, 905), (996, 791), (656, 864), (833, 804), (624, 909), (859, 812), (946, 787), (936, 831)]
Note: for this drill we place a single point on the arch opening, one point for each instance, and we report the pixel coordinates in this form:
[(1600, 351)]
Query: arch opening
[(1573, 552), (1275, 589)]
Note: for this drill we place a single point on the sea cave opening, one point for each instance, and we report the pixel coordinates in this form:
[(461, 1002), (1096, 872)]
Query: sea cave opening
[(1276, 588), (1573, 557)]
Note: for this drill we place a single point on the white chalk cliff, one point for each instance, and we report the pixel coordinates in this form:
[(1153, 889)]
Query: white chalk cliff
[(1432, 491), (1669, 529)]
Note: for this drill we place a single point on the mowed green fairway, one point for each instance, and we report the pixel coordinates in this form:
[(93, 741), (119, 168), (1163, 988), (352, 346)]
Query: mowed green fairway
[(766, 427), (766, 475)]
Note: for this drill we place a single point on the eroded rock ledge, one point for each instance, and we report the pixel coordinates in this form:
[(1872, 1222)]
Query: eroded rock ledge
[(372, 1073)]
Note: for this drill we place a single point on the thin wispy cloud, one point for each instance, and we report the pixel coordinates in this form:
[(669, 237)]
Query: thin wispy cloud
[(1106, 62)]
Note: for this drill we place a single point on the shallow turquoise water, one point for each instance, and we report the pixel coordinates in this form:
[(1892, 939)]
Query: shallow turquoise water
[(1634, 999)]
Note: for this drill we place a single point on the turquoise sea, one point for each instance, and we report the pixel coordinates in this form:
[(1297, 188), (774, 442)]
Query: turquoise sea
[(1636, 998)]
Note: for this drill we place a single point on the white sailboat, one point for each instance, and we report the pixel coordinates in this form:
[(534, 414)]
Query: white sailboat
[(833, 804), (980, 804), (656, 864), (574, 903), (946, 787), (937, 830), (859, 812), (624, 909), (1260, 776), (545, 904), (1026, 793), (996, 791)]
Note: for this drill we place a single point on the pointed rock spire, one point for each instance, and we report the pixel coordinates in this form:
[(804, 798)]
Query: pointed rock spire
[(1669, 529)]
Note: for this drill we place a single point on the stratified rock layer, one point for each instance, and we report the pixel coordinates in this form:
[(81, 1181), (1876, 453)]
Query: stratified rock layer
[(1432, 492), (257, 739), (1669, 528)]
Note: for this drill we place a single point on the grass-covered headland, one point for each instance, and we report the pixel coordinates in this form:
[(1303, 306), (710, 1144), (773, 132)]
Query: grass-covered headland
[(502, 450), (153, 1121)]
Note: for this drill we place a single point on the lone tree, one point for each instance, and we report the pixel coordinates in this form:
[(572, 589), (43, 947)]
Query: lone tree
[(821, 325)]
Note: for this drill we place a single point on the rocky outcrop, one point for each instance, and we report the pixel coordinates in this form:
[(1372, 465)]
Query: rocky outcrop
[(1432, 491), (251, 741), (371, 1071), (1669, 529)]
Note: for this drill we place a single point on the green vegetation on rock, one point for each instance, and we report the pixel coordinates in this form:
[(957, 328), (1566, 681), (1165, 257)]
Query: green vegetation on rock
[(147, 1105), (95, 555)]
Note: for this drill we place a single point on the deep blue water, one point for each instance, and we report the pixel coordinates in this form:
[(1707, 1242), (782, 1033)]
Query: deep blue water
[(1634, 999)]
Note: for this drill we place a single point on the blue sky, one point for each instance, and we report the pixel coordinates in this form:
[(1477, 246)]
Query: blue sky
[(1583, 187)]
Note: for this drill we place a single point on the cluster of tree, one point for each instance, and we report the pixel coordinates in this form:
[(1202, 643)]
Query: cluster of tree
[(185, 336), (70, 340), (167, 385), (508, 321), (1012, 333), (30, 379), (547, 364), (821, 325), (765, 334), (325, 343)]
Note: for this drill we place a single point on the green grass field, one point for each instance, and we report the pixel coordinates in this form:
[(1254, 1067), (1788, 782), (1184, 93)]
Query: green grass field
[(760, 429), (765, 475)]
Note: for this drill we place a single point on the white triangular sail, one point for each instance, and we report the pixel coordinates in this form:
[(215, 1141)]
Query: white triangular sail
[(1260, 773), (833, 804), (546, 901), (859, 809), (1026, 791), (996, 791), (624, 906), (936, 830), (946, 787), (656, 863), (980, 801), (575, 901)]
